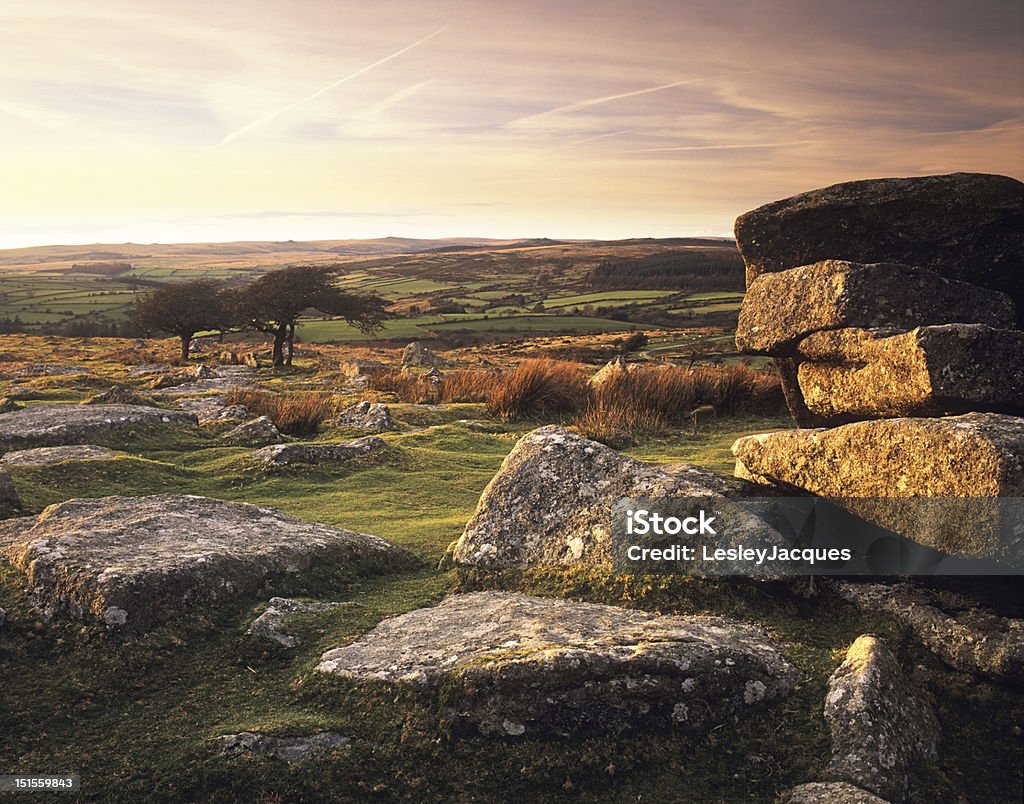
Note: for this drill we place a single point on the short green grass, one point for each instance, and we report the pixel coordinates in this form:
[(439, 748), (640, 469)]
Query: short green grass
[(136, 720)]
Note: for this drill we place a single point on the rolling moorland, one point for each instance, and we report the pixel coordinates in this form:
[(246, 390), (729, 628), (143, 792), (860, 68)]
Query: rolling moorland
[(140, 720)]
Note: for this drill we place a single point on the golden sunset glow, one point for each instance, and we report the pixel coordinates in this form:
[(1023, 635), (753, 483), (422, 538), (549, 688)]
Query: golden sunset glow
[(312, 119)]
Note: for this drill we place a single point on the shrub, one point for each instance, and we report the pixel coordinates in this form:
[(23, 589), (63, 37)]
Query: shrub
[(296, 413), (539, 387)]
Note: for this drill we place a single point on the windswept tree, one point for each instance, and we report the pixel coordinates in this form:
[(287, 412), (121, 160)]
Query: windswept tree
[(273, 302), (183, 309)]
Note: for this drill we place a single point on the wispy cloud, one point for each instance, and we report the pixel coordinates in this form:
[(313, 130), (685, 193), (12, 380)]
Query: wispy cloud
[(723, 147), (292, 106)]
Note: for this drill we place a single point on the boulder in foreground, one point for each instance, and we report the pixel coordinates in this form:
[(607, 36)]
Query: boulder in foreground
[(880, 726), (963, 225), (929, 371), (57, 425), (551, 501), (132, 563), (512, 664), (780, 309), (881, 470)]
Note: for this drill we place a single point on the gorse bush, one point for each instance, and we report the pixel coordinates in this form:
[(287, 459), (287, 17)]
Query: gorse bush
[(298, 413), (539, 387)]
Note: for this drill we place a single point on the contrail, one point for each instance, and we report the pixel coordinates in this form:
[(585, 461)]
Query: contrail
[(255, 123), (572, 107)]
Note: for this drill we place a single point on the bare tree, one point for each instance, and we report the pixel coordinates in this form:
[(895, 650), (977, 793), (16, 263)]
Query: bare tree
[(183, 309)]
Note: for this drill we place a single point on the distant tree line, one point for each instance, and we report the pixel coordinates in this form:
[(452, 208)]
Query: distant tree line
[(692, 269), (271, 303)]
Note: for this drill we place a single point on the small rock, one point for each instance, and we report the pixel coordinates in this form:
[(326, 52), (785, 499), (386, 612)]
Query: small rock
[(513, 664), (416, 354), (270, 624), (254, 433), (360, 368), (614, 368), (374, 417), (289, 749), (292, 454), (880, 727), (119, 395)]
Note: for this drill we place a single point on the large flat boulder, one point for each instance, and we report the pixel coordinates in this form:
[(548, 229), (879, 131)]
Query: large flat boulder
[(131, 563), (512, 664), (552, 500), (46, 456), (929, 371), (781, 309), (881, 470), (57, 425), (880, 726), (967, 226)]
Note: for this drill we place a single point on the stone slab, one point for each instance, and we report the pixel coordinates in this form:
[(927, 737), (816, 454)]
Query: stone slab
[(45, 456), (58, 425), (513, 664), (312, 454), (131, 563), (781, 309)]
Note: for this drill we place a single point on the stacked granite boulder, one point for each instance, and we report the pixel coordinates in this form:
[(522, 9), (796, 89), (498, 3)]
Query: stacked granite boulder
[(893, 311)]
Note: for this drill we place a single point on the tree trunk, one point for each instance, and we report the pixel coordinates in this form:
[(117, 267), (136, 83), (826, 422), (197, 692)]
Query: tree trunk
[(280, 334), (290, 345), (186, 342)]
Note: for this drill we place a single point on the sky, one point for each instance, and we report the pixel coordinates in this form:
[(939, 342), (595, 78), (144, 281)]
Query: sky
[(188, 121)]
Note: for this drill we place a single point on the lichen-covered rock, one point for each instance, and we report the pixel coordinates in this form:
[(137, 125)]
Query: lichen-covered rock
[(45, 456), (881, 470), (287, 748), (261, 430), (961, 632), (965, 226), (56, 425), (374, 417), (880, 726), (512, 664), (299, 454), (929, 371), (416, 354), (360, 368), (830, 793), (119, 395), (552, 500), (781, 309), (210, 409), (10, 500), (613, 368), (134, 562), (270, 624)]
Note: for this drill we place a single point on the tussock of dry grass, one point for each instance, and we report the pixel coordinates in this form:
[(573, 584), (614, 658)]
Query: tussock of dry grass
[(406, 385), (538, 387), (298, 413)]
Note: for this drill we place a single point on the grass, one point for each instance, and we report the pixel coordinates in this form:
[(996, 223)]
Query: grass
[(136, 720), (297, 413)]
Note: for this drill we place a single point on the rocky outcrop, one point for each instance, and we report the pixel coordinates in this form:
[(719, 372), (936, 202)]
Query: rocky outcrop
[(289, 749), (374, 417), (416, 354), (270, 624), (46, 456), (119, 395), (880, 727), (964, 226), (512, 664), (211, 409), (131, 563), (781, 309), (254, 433), (56, 425), (829, 793), (552, 500), (278, 455), (929, 371), (881, 469), (958, 630)]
